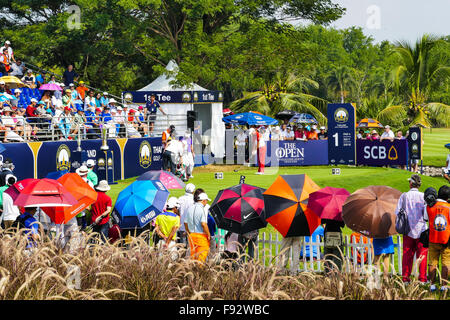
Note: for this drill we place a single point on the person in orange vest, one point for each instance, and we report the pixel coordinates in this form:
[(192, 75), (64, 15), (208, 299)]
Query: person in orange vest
[(5, 62), (438, 215)]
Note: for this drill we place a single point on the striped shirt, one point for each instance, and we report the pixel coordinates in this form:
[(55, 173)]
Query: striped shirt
[(415, 207)]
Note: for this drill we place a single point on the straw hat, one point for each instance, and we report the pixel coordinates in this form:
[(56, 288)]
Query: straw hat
[(103, 186), (82, 171)]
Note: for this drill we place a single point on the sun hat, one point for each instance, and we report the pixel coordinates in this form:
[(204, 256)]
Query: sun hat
[(7, 42), (322, 128), (374, 131), (105, 93), (2, 82), (387, 126), (203, 196), (112, 100), (172, 203), (82, 171), (33, 100), (71, 85), (190, 188), (103, 186), (90, 163), (119, 108)]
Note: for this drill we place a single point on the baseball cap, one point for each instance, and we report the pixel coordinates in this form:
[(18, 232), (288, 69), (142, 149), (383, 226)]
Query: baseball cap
[(71, 85), (81, 82), (33, 100), (190, 188), (7, 42), (172, 203), (90, 163), (112, 100), (2, 82), (141, 108), (415, 179), (203, 196), (322, 128), (119, 108), (387, 126), (132, 111), (98, 110)]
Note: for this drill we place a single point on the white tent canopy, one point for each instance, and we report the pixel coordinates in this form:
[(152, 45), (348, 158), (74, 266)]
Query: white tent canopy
[(209, 113)]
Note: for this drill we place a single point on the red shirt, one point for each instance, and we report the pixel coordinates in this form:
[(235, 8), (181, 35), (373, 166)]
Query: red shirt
[(99, 207), (30, 111)]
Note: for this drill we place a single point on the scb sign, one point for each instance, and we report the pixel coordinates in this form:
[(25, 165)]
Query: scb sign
[(382, 153)]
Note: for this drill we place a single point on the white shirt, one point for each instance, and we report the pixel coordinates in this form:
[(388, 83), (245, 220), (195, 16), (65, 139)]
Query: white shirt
[(175, 146), (232, 243), (388, 135), (10, 51), (289, 135), (8, 121), (186, 201), (10, 211), (195, 216), (240, 139), (448, 160), (17, 71)]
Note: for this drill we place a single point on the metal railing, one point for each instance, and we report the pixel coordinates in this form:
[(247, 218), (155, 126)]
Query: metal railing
[(48, 128)]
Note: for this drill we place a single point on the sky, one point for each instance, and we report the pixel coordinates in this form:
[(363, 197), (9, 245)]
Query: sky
[(396, 19)]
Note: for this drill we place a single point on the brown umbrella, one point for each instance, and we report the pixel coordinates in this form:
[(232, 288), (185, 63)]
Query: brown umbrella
[(371, 211)]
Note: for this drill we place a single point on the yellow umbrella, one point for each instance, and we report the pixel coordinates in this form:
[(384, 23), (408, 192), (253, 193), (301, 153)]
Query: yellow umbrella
[(13, 82)]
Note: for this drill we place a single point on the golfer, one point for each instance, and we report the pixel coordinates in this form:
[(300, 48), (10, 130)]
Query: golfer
[(196, 225), (166, 226)]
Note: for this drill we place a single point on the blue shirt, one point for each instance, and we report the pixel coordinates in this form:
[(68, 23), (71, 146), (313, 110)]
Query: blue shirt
[(211, 225), (317, 234), (152, 107), (104, 101), (107, 117), (89, 116), (40, 79), (32, 226)]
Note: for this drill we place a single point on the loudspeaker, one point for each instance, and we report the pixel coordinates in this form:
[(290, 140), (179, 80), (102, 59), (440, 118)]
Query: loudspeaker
[(191, 117)]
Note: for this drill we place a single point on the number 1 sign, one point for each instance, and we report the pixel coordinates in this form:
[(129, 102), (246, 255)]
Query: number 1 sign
[(341, 133)]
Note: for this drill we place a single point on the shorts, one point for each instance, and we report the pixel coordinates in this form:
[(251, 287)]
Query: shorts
[(436, 250), (383, 246)]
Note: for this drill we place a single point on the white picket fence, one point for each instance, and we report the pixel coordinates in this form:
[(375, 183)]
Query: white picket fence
[(269, 245)]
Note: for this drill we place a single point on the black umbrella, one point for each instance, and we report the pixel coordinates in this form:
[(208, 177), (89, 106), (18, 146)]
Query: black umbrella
[(239, 209), (285, 115)]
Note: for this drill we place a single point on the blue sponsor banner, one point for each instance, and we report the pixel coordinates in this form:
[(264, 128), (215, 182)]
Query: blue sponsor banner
[(297, 153), (144, 154), (173, 96), (382, 153), (415, 143), (341, 133), (132, 157)]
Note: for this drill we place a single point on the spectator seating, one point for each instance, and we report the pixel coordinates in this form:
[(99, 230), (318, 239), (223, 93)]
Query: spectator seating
[(26, 96)]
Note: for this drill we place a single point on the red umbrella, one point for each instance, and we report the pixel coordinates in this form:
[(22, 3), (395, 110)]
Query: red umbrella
[(44, 193), (327, 202), (17, 187)]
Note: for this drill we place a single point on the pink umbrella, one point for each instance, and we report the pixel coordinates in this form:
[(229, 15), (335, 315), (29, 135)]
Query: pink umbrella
[(327, 202), (17, 187), (50, 87), (168, 179)]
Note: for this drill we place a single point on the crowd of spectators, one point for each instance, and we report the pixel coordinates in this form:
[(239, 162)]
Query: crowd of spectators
[(74, 111)]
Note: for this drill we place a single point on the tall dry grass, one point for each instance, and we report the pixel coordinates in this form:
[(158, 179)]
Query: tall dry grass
[(139, 271)]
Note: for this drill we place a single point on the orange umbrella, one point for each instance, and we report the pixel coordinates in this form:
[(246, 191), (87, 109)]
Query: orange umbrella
[(286, 205), (81, 191), (369, 123)]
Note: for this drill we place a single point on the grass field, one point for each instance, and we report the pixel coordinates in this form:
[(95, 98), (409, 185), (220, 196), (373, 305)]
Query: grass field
[(434, 152)]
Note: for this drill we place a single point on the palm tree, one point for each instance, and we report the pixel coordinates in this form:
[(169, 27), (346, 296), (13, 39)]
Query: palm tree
[(341, 81), (421, 69), (289, 92)]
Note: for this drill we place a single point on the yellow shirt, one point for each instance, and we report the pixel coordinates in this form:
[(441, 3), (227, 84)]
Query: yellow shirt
[(166, 221)]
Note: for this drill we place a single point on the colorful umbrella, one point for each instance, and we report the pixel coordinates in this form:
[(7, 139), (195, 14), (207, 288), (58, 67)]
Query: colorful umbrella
[(82, 192), (286, 203), (168, 179), (327, 202), (369, 123), (50, 87), (7, 96), (303, 118), (250, 118), (371, 211), (17, 187), (285, 115), (239, 209), (44, 193), (140, 203), (13, 82)]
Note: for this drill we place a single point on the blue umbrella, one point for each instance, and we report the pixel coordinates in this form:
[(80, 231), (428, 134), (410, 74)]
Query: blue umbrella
[(55, 175), (304, 118), (250, 118), (447, 146), (140, 203)]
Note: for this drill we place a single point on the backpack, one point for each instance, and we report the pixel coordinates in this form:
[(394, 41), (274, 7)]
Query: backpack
[(401, 221)]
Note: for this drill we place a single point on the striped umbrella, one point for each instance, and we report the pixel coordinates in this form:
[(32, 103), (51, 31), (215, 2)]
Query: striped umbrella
[(286, 202), (239, 209), (369, 123)]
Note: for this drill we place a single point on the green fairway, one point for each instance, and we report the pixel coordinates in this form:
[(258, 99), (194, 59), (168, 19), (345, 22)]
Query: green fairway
[(434, 152)]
